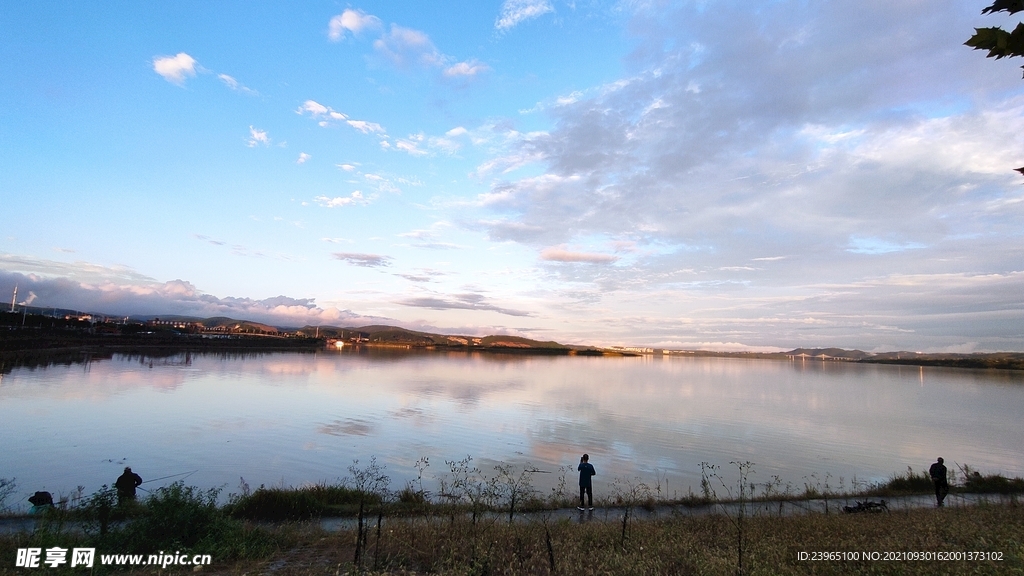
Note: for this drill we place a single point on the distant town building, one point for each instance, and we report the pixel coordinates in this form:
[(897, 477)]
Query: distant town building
[(632, 349)]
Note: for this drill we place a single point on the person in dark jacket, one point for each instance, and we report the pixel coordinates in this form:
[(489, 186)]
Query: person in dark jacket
[(126, 484), (938, 474), (41, 502), (587, 472)]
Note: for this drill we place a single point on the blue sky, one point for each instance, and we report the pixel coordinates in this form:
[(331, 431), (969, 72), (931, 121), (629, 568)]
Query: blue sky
[(707, 174)]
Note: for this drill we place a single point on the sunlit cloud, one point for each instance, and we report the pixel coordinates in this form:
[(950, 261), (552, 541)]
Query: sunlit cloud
[(175, 69), (558, 254), (353, 21), (121, 291)]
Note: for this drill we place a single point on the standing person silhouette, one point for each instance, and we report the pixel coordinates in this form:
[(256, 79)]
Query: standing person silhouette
[(587, 472), (126, 484), (938, 474)]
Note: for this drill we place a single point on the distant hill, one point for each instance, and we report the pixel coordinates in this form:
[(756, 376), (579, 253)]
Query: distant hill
[(381, 334), (223, 322), (231, 323), (517, 342), (830, 352), (1000, 360)]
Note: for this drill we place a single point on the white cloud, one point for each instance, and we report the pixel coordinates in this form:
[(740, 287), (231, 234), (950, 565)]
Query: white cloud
[(363, 260), (428, 233), (405, 47), (515, 11), (353, 199), (446, 145), (570, 99), (235, 85), (457, 131), (175, 69), (466, 301), (229, 81), (257, 137), (769, 144), (464, 69), (120, 291), (327, 116), (303, 157), (313, 108), (354, 21), (876, 144), (411, 145), (366, 127)]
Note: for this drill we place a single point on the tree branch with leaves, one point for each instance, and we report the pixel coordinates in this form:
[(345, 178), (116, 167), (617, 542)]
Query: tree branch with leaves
[(999, 42)]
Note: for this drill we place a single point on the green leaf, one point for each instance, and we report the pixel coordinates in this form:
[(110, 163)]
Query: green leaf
[(998, 42), (1011, 6)]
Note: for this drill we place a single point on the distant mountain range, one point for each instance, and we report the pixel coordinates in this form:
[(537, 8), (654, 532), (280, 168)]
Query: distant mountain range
[(383, 335)]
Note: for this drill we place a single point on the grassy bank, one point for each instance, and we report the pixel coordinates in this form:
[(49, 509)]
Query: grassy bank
[(473, 525), (571, 544)]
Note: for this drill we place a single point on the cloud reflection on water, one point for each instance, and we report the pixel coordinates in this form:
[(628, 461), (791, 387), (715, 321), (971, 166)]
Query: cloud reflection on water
[(299, 418)]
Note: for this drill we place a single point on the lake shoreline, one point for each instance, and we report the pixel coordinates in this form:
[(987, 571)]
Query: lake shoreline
[(91, 347)]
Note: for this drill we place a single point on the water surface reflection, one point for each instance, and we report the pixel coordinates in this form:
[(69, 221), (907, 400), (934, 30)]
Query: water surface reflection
[(293, 418)]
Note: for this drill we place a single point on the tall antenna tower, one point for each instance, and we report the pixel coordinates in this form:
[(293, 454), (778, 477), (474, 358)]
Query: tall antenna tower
[(14, 298)]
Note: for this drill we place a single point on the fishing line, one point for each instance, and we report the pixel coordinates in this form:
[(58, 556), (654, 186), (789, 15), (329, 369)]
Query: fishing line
[(185, 474)]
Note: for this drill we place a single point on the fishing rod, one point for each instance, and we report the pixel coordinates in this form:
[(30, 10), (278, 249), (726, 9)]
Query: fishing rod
[(185, 475)]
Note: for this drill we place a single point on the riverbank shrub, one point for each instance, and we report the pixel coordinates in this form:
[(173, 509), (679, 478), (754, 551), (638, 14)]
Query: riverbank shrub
[(902, 484), (7, 487), (979, 483), (303, 503)]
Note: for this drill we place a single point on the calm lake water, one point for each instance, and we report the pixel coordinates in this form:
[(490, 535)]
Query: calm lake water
[(290, 419)]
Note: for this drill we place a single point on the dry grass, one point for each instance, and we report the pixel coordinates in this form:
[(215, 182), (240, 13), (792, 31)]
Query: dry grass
[(676, 545), (471, 532)]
